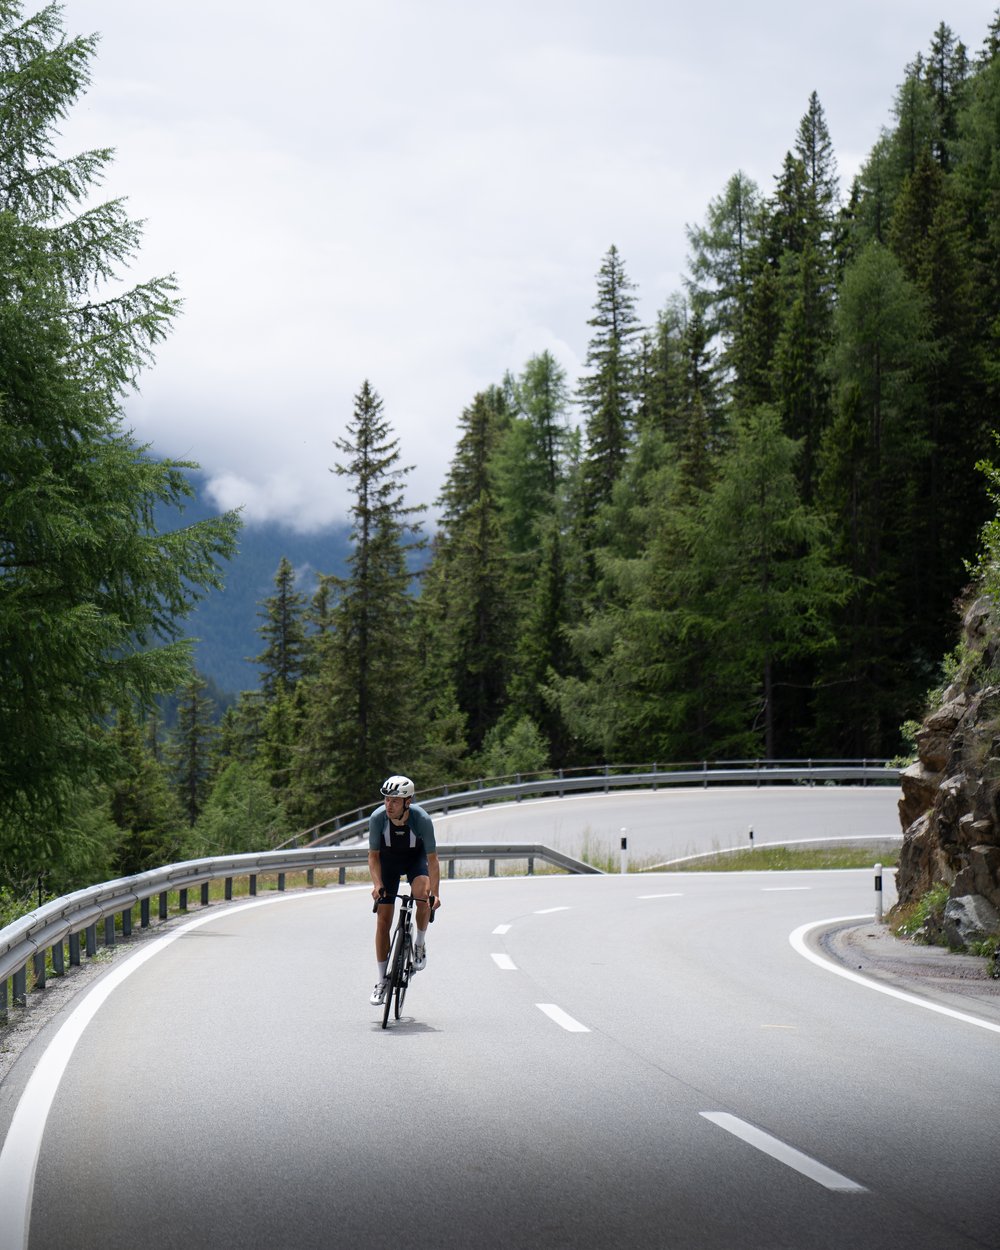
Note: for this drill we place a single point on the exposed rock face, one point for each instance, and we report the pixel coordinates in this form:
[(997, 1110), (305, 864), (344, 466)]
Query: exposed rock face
[(950, 809)]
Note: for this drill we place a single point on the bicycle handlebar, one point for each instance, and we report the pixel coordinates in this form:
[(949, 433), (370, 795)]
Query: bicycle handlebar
[(391, 901)]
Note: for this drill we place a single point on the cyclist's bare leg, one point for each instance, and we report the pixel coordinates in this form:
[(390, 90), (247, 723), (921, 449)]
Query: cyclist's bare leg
[(383, 924), (421, 888)]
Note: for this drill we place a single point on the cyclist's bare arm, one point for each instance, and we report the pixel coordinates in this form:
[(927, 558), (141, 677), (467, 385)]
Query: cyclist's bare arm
[(434, 874), (375, 870)]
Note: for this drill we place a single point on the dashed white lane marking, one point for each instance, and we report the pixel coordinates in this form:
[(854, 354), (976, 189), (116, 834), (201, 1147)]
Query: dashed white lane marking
[(547, 911), (501, 929), (505, 962), (783, 889), (784, 1153), (661, 896), (561, 1018), (798, 941)]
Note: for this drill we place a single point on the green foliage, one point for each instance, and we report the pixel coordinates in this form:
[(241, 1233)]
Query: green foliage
[(513, 748), (359, 705), (924, 919), (91, 592), (241, 814)]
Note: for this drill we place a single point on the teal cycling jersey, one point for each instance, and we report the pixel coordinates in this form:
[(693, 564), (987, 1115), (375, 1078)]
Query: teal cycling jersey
[(416, 835)]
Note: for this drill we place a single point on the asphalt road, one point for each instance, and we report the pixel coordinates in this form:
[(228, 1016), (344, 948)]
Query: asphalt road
[(640, 1060), (675, 822)]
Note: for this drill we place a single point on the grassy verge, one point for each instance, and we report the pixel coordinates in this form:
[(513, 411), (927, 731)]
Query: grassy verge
[(789, 859)]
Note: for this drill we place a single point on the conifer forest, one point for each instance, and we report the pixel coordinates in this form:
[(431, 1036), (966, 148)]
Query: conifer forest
[(744, 532)]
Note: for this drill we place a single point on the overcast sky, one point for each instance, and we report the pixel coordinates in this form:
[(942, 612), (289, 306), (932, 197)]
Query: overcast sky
[(421, 193)]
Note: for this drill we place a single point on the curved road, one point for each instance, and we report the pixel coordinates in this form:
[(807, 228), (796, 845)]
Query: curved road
[(675, 822), (637, 1060)]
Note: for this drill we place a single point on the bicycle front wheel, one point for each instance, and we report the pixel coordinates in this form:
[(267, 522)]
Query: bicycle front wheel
[(404, 979), (394, 972)]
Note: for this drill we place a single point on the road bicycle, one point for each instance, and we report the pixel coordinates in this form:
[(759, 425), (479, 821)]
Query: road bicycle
[(401, 952)]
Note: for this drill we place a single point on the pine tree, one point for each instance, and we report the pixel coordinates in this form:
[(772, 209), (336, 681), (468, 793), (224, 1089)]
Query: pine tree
[(283, 659), (470, 592), (143, 804), (722, 266), (91, 594), (608, 391), (874, 458), (358, 716), (190, 749)]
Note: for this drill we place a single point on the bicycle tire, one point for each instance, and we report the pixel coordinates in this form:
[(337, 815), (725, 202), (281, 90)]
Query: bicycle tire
[(394, 971), (404, 980)]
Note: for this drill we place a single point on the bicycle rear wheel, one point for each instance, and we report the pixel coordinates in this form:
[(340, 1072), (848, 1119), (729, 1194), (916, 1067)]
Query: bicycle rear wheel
[(394, 972)]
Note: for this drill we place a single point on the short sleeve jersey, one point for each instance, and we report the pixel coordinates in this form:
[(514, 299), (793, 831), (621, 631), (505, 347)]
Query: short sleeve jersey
[(416, 835)]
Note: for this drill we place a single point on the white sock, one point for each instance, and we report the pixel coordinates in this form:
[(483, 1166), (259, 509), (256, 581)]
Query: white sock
[(421, 936), (382, 965)]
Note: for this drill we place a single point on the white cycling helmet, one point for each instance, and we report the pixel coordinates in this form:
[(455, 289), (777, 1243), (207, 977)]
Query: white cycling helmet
[(397, 787)]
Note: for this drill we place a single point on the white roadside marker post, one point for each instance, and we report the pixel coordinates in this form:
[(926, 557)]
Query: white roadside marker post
[(624, 849), (878, 893)]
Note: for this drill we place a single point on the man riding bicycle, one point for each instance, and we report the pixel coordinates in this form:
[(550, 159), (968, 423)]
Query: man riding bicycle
[(401, 842)]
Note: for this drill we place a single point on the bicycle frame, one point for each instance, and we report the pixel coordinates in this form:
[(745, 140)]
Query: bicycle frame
[(400, 965)]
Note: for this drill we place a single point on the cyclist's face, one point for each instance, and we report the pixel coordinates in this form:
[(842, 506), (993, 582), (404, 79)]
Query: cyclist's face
[(396, 806)]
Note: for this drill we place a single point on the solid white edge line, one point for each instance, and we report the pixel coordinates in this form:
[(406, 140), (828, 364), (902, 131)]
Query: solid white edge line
[(501, 929), (660, 896), (547, 911), (21, 1147), (784, 1153), (505, 962), (562, 1018), (798, 941)]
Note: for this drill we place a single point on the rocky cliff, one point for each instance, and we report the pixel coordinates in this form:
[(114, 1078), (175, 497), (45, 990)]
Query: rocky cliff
[(950, 809)]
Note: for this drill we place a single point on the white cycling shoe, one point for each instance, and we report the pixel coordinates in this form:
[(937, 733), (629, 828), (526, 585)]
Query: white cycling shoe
[(378, 993), (420, 957)]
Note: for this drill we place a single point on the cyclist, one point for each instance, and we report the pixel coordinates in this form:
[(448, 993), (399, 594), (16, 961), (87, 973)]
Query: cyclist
[(401, 842)]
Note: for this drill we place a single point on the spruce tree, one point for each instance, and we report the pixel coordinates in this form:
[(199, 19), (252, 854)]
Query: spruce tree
[(470, 592), (283, 659), (358, 707), (190, 750), (91, 593), (608, 392)]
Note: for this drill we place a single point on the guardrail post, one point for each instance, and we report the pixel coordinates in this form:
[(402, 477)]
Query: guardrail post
[(182, 898), (144, 913), (74, 950), (204, 893), (59, 959), (493, 867), (39, 961), (281, 881), (127, 922), (163, 904), (229, 889), (878, 893), (109, 930), (342, 875), (91, 938), (21, 987), (4, 998), (253, 884), (310, 876), (531, 865), (451, 869)]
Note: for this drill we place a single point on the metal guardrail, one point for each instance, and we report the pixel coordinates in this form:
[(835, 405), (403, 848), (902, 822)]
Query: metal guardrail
[(757, 773), (29, 939)]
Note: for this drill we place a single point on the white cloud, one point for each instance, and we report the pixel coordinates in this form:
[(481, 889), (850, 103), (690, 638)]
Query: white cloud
[(421, 195)]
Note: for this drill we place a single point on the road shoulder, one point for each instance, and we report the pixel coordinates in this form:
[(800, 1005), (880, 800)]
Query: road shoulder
[(960, 982)]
